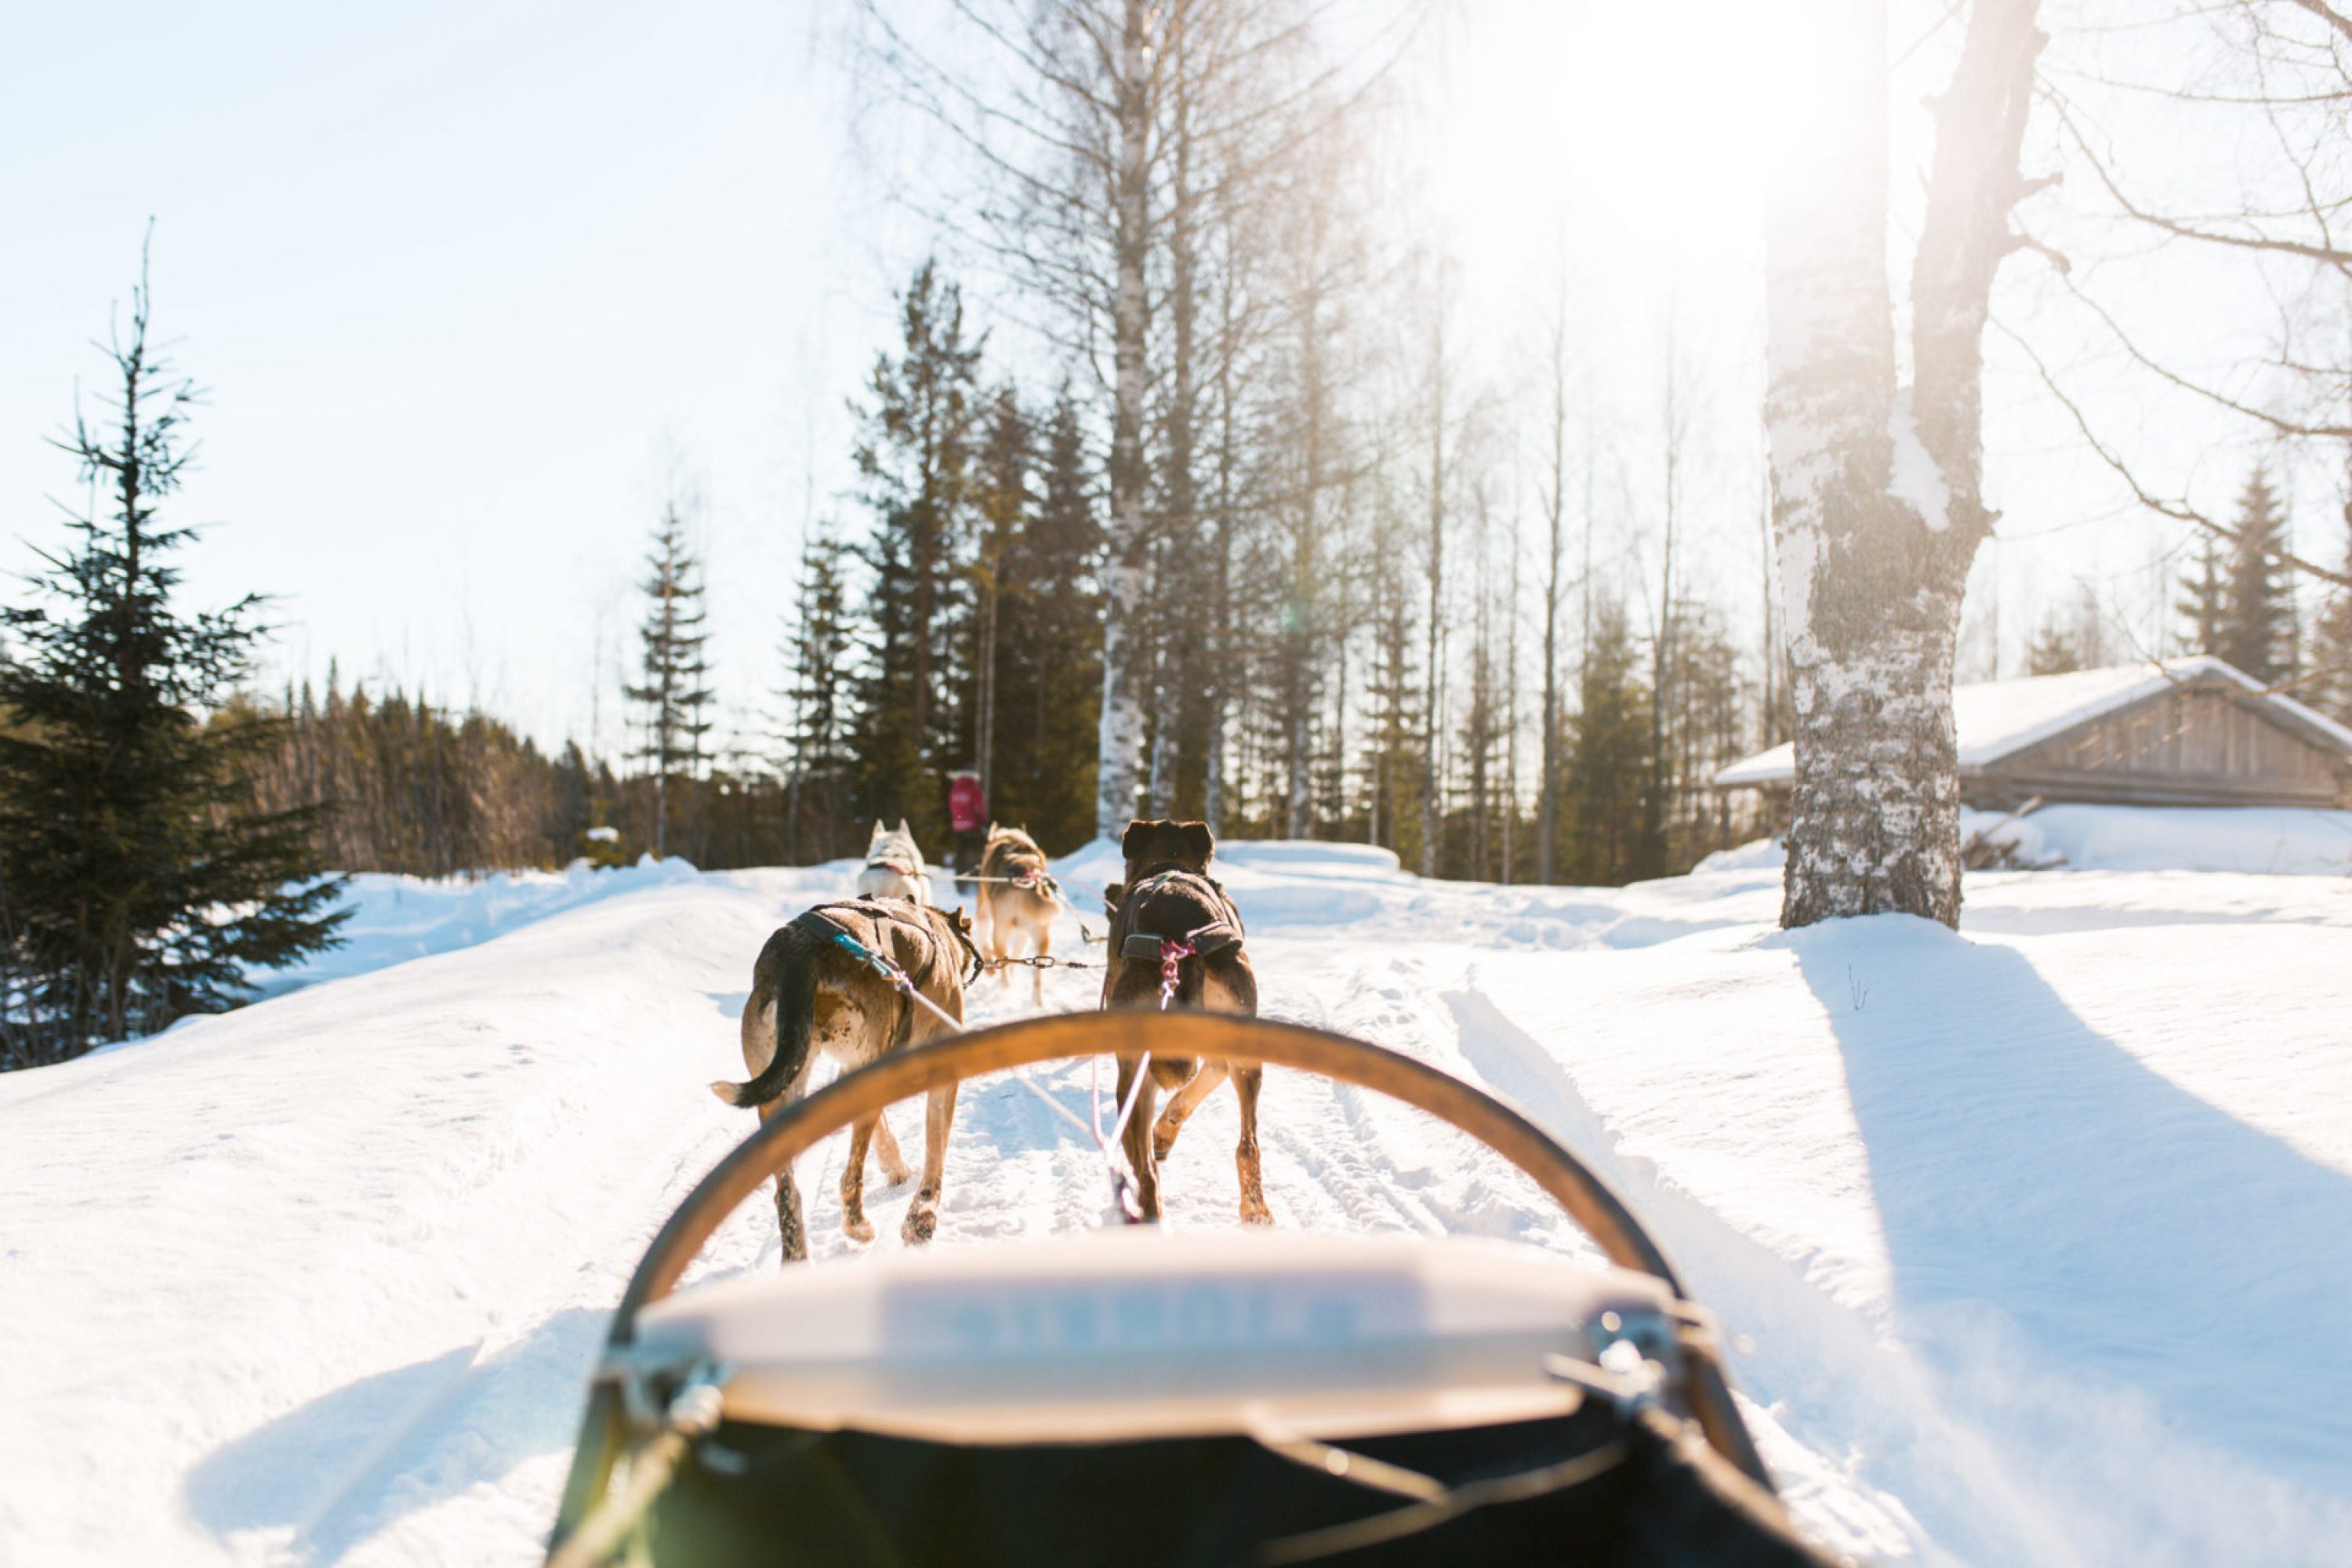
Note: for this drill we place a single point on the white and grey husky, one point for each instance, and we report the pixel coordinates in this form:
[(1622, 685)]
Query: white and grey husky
[(894, 867)]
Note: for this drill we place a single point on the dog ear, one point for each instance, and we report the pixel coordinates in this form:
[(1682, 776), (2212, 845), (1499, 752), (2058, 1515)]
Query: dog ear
[(879, 829), (1112, 895), (963, 922), (1132, 839), (1198, 840), (903, 831)]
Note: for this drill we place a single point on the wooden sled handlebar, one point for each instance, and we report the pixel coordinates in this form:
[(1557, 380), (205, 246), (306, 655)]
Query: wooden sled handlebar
[(866, 1092)]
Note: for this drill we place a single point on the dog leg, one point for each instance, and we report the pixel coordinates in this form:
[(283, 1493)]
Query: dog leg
[(854, 1223), (894, 1170), (1182, 1104), (792, 1229), (1042, 940), (922, 1214), (1247, 1077), (1136, 1137), (999, 947)]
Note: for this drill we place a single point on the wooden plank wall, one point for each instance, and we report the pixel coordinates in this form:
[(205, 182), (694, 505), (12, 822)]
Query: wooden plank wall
[(2196, 746)]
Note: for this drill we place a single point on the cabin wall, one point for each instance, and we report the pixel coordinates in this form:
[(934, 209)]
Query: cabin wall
[(2195, 746)]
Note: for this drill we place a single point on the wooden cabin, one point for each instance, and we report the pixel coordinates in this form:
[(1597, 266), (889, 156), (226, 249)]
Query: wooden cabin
[(2185, 732)]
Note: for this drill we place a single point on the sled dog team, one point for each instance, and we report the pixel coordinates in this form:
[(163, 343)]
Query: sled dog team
[(1175, 940)]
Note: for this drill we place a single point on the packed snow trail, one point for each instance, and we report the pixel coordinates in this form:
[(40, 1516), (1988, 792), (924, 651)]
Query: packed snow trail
[(2042, 1236)]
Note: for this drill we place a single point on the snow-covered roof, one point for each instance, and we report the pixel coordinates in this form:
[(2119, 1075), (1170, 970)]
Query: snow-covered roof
[(1997, 718)]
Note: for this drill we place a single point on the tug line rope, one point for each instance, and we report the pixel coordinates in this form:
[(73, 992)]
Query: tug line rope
[(1122, 1179)]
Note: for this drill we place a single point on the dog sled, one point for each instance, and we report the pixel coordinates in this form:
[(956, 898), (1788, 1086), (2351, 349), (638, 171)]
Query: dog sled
[(1129, 1397)]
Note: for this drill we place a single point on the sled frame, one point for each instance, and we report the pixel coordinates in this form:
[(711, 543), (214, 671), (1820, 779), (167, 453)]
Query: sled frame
[(1705, 1391)]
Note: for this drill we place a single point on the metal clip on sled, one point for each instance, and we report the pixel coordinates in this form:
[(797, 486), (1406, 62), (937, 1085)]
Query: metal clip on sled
[(1126, 1397)]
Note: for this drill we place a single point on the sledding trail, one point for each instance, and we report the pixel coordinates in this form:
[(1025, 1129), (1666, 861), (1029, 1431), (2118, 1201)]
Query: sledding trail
[(2031, 1236)]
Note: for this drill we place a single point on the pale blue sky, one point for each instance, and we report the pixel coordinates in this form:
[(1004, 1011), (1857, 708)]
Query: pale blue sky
[(465, 282)]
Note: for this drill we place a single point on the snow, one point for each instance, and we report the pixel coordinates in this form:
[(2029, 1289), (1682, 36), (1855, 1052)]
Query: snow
[(1916, 479), (1999, 718), (2175, 838), (2037, 1238), (2265, 840)]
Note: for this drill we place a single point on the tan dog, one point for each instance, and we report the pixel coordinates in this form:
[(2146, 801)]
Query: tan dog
[(810, 994), (1017, 899), (1170, 912)]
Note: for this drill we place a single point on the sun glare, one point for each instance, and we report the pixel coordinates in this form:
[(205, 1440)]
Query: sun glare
[(1663, 127)]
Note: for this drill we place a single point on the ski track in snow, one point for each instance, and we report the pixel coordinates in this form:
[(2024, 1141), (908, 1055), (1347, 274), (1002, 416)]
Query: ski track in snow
[(319, 1283)]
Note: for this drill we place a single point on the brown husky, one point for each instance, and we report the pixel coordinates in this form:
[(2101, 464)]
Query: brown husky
[(1170, 920), (1017, 898), (810, 993)]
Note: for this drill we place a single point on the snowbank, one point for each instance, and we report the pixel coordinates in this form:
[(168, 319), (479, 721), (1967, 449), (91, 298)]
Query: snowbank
[(393, 919), (2261, 841), (2039, 1236), (2178, 839)]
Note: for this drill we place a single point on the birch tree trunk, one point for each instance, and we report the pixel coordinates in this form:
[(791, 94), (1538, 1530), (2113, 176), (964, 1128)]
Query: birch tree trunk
[(1432, 813), (1548, 819), (1879, 509), (1119, 742)]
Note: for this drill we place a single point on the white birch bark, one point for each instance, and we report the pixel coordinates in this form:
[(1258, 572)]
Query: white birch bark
[(1877, 510), (1119, 740)]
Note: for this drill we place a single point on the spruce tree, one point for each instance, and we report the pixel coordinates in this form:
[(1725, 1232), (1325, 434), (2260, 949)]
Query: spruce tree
[(676, 689), (1609, 767), (139, 879), (1049, 679), (2258, 608), (1001, 500), (2203, 602), (2055, 649), (2331, 645), (915, 455), (818, 651)]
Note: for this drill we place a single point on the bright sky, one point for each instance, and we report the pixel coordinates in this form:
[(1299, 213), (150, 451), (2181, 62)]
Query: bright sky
[(466, 283), (470, 284)]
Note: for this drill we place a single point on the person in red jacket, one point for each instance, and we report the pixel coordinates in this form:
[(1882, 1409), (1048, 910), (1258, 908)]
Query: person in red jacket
[(968, 820)]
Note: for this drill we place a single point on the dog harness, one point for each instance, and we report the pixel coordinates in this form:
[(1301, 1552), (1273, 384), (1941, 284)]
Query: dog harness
[(818, 922), (1171, 952)]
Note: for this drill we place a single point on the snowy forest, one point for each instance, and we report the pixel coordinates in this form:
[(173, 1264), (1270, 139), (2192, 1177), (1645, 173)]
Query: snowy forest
[(1194, 477), (1233, 529)]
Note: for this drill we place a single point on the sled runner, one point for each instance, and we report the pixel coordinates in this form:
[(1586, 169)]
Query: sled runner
[(1131, 1396)]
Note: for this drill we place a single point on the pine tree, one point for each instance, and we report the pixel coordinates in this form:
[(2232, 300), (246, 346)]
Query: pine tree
[(1706, 728), (2202, 603), (2075, 637), (2054, 650), (1393, 689), (676, 689), (2331, 645), (2258, 608), (1049, 690), (1608, 767), (139, 881), (1001, 501), (915, 455), (819, 647)]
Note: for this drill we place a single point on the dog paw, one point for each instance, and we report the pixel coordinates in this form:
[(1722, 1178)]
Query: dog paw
[(858, 1229), (1254, 1212), (1161, 1142), (897, 1175), (920, 1227)]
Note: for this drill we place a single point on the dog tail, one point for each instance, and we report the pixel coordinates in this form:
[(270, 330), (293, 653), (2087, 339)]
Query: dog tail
[(795, 1003)]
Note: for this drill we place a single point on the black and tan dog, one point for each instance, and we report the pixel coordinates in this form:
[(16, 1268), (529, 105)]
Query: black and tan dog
[(1171, 921), (812, 994), (1017, 898)]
